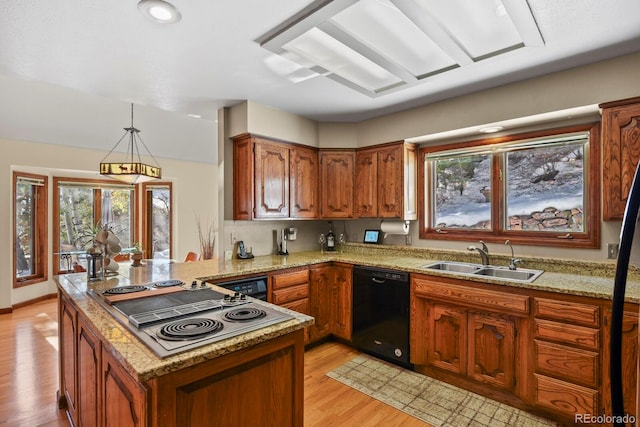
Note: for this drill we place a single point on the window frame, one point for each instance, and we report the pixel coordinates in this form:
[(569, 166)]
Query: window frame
[(97, 185), (40, 233), (145, 216), (590, 238)]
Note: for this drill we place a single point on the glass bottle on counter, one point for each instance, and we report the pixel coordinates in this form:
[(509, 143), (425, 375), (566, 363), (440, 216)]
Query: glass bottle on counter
[(331, 239)]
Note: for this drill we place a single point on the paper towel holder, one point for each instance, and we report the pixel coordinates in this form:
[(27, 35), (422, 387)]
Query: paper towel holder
[(400, 228)]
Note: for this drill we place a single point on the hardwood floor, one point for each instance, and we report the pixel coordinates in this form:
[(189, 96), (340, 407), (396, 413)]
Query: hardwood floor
[(29, 366), (29, 378)]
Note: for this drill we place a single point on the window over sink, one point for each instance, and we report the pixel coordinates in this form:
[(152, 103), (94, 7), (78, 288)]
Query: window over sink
[(539, 188)]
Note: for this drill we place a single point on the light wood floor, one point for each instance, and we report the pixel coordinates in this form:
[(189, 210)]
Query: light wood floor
[(29, 378)]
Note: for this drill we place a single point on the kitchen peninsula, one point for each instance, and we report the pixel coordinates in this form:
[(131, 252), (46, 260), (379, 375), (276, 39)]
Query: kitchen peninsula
[(107, 374)]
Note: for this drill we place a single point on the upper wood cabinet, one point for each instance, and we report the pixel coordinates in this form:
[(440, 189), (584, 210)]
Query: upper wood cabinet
[(386, 181), (621, 152), (303, 180), (273, 179), (336, 183)]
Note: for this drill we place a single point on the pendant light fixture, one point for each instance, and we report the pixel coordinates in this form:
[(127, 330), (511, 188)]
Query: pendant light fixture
[(132, 170)]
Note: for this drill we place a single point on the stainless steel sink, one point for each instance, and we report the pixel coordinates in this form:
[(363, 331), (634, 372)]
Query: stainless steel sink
[(495, 272), (454, 267), (519, 275)]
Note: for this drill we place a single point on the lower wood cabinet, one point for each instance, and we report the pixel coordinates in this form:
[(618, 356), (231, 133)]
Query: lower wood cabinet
[(630, 334), (261, 385), (89, 375), (566, 353), (477, 345), (290, 289), (331, 301)]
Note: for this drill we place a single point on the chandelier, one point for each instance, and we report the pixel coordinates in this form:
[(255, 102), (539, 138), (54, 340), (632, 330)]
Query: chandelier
[(132, 170)]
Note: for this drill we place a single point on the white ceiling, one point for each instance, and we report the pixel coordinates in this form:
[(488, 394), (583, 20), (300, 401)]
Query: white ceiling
[(107, 51)]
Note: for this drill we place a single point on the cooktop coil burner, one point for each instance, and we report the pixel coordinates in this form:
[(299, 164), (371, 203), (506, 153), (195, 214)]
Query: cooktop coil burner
[(244, 314), (189, 329), (168, 283), (125, 290)]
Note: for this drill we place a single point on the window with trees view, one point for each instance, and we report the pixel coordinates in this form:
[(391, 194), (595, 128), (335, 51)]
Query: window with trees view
[(157, 219), (539, 188), (30, 228), (81, 208)]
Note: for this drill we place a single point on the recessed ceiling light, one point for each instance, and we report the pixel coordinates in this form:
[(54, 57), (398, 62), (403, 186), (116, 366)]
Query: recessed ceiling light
[(195, 116), (491, 129), (159, 11)]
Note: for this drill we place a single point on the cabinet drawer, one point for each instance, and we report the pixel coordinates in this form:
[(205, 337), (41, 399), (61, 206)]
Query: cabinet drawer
[(565, 397), (572, 312), (289, 279), (301, 306), (568, 334), (292, 293), (567, 363), (480, 298)]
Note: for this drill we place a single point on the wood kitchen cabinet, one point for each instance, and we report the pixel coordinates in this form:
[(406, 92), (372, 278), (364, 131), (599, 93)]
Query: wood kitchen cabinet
[(322, 288), (331, 301), (566, 344), (467, 331), (341, 325), (68, 326), (385, 177), (386, 181), (291, 289), (337, 183), (274, 179), (629, 361), (620, 154), (124, 401), (89, 375)]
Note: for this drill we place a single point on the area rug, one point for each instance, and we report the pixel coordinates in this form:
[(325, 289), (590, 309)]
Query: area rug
[(432, 401)]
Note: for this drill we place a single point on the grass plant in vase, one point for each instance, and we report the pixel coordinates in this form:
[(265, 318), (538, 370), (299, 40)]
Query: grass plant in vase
[(136, 255), (207, 236)]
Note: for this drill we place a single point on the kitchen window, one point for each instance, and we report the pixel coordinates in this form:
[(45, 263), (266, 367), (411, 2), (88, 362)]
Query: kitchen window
[(83, 206), (157, 219), (29, 228), (538, 188)]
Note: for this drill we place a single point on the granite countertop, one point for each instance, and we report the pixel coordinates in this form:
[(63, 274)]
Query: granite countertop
[(591, 279)]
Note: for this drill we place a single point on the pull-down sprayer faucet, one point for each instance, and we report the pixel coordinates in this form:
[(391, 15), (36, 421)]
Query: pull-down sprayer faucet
[(484, 252)]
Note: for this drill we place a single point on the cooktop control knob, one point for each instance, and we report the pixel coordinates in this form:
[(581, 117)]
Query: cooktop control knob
[(203, 284), (194, 284), (243, 297)]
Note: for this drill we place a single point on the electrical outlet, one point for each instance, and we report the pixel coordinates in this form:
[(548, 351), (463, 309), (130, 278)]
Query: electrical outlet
[(612, 250)]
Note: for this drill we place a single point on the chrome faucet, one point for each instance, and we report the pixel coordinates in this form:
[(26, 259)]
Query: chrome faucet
[(484, 252), (513, 261)]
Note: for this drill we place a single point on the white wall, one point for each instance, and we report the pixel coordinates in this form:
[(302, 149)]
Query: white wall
[(195, 192)]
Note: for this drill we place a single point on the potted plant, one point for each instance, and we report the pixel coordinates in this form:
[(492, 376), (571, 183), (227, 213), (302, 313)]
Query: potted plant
[(207, 237), (136, 255)]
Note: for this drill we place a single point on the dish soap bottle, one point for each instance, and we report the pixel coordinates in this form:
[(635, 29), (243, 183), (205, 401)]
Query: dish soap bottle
[(331, 239)]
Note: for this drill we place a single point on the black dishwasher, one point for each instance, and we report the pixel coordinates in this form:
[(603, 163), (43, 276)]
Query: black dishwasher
[(380, 313)]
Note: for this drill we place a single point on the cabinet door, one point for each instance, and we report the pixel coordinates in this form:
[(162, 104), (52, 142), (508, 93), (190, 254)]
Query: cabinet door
[(303, 180), (492, 350), (390, 182), (336, 181), (366, 198), (342, 302), (630, 334), (271, 180), (621, 152), (447, 338), (243, 178), (68, 352), (321, 282), (124, 399), (89, 368)]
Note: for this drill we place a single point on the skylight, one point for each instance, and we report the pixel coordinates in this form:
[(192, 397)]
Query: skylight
[(381, 46)]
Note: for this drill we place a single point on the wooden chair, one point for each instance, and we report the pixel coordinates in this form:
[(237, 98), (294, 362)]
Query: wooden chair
[(121, 257), (192, 256)]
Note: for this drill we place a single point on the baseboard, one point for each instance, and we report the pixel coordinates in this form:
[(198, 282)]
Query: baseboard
[(29, 302)]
